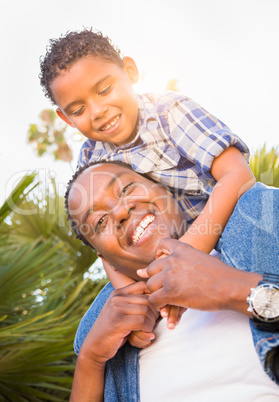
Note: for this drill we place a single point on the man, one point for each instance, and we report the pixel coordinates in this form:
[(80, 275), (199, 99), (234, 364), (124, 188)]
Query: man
[(125, 217)]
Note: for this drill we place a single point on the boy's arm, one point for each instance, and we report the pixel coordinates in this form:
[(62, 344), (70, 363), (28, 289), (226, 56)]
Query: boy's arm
[(234, 177), (117, 279)]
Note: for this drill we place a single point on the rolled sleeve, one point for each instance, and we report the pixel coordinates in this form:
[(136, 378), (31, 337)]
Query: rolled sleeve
[(199, 136)]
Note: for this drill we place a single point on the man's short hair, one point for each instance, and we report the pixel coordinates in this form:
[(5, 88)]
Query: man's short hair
[(66, 50)]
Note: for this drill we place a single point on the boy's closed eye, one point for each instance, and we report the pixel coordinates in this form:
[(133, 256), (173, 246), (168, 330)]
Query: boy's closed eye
[(79, 111), (105, 91)]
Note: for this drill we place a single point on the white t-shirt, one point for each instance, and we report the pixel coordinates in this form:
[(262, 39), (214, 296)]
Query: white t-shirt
[(208, 357)]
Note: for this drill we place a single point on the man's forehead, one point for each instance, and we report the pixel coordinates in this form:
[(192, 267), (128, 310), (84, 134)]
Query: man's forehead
[(102, 177)]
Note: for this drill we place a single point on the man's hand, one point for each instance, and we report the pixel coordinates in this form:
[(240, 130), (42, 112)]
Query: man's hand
[(127, 309), (193, 279)]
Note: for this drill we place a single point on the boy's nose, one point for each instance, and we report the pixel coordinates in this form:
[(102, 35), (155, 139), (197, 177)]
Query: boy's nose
[(97, 111)]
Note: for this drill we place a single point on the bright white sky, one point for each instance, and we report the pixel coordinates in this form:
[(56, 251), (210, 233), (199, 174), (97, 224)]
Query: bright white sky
[(223, 52)]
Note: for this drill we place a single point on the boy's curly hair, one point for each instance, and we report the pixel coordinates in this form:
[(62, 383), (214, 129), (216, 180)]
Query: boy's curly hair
[(66, 50)]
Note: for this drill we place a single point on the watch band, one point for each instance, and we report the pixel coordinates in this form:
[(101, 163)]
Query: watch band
[(267, 326), (269, 278), (264, 326)]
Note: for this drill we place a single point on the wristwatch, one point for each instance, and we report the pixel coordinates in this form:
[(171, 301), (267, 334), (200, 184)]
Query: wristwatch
[(264, 303)]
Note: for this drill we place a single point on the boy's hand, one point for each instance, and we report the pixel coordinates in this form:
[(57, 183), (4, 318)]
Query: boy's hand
[(140, 339), (174, 314)]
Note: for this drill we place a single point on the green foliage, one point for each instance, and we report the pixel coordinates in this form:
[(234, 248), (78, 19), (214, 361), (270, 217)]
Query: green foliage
[(18, 194), (43, 295), (265, 166), (49, 137)]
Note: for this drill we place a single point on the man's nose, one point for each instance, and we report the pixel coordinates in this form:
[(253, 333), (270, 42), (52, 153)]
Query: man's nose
[(97, 110), (122, 211)]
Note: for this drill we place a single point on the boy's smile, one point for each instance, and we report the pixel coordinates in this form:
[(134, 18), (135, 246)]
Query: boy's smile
[(96, 97), (123, 215)]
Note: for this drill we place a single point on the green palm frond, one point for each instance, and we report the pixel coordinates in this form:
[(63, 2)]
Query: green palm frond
[(265, 166), (17, 195), (43, 296)]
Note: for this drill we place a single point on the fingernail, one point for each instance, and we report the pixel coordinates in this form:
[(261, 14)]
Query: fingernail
[(164, 314), (171, 326)]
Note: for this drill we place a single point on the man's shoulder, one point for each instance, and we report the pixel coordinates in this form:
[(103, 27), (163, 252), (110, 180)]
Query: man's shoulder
[(91, 315)]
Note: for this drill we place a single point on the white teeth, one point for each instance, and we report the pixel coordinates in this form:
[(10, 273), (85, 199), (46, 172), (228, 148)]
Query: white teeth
[(141, 227), (111, 124)]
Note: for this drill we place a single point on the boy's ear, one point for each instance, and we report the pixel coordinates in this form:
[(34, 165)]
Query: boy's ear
[(64, 117), (131, 69)]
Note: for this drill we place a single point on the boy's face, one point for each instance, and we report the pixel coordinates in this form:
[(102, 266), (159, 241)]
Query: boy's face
[(123, 215), (96, 97)]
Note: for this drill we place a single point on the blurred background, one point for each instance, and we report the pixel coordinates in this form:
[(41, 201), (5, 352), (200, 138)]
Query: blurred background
[(221, 53)]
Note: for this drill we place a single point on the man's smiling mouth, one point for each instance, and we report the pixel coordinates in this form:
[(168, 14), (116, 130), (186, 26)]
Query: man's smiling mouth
[(141, 227), (111, 123)]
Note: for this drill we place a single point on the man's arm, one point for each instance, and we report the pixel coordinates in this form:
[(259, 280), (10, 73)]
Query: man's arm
[(192, 279), (127, 309), (88, 383)]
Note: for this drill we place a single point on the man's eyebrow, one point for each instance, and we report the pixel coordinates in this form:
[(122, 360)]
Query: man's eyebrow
[(110, 184), (77, 101)]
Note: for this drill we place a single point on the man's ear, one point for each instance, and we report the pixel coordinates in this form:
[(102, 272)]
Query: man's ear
[(131, 69), (64, 117)]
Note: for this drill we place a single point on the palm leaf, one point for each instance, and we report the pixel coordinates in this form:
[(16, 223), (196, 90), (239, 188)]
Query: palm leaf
[(17, 195), (43, 297), (265, 166)]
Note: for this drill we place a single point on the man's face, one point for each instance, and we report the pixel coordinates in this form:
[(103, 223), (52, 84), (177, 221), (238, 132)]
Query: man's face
[(96, 97), (124, 215)]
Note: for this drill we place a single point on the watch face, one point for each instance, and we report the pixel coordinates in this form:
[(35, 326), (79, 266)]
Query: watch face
[(265, 302)]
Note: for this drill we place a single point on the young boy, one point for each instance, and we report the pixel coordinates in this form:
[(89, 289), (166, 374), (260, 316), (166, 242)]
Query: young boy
[(169, 137)]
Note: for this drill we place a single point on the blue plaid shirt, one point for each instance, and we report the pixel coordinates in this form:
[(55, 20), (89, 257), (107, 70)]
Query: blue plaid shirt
[(176, 143)]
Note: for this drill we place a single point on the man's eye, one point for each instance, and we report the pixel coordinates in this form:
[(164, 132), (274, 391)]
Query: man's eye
[(101, 224), (105, 91), (125, 189), (78, 112)]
